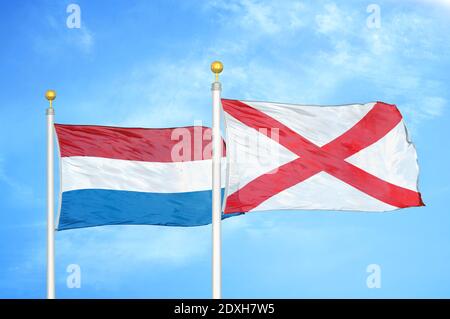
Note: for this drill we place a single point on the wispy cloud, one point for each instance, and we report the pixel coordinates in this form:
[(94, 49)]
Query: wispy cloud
[(164, 93), (261, 17), (441, 3), (141, 247), (84, 40), (348, 51), (292, 52), (332, 20), (19, 192), (59, 38), (169, 93)]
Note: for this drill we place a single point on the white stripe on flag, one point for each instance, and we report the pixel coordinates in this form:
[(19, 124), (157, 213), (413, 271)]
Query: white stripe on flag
[(84, 172)]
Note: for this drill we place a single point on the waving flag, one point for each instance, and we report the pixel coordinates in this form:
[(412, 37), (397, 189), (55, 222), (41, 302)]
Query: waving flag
[(113, 175), (351, 157)]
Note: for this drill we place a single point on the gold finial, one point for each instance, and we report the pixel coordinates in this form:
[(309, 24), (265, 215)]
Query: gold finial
[(216, 68), (50, 95)]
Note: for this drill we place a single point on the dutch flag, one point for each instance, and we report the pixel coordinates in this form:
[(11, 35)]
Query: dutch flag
[(114, 175)]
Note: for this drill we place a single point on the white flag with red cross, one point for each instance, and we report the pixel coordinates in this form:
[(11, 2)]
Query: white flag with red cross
[(354, 157)]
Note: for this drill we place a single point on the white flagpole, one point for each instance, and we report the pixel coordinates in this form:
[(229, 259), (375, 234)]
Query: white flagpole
[(50, 95), (216, 68)]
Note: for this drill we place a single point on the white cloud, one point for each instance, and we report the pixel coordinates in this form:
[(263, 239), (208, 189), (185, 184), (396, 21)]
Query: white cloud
[(156, 93), (434, 106), (59, 38), (389, 59), (84, 39), (168, 93), (261, 17), (332, 20), (140, 244), (442, 3), (424, 108), (19, 192), (141, 247)]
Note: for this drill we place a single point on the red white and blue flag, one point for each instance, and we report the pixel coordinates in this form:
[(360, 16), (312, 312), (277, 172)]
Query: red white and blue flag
[(350, 157), (114, 175)]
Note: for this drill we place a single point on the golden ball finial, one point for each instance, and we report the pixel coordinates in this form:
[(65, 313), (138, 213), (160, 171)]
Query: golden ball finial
[(216, 67), (50, 95)]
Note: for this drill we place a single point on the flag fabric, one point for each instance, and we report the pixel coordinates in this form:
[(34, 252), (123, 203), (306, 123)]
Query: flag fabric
[(113, 175), (349, 157)]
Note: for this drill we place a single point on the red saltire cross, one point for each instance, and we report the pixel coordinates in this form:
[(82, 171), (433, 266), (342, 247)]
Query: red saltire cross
[(329, 158)]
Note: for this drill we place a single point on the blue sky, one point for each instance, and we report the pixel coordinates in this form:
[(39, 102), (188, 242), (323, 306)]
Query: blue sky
[(146, 63)]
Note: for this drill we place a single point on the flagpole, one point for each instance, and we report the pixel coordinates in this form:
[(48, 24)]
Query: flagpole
[(216, 88), (50, 95)]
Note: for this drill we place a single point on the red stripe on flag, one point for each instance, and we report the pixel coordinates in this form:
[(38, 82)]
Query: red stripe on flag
[(379, 121), (136, 144)]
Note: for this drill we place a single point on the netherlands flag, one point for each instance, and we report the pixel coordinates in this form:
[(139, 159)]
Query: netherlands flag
[(118, 176)]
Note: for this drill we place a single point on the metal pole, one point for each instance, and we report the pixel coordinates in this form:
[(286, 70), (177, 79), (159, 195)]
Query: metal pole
[(50, 96), (216, 67)]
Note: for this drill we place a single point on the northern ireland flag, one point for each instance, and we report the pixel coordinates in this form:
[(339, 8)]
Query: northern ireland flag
[(352, 157), (116, 175)]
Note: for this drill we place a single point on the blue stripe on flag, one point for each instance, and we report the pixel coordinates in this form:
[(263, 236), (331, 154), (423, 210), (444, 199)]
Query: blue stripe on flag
[(96, 207)]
